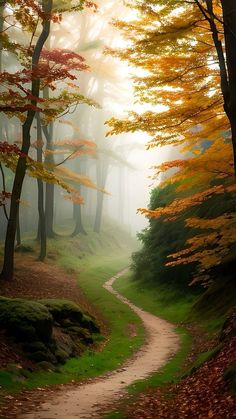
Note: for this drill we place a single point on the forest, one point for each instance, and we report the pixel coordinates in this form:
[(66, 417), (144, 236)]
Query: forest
[(117, 209)]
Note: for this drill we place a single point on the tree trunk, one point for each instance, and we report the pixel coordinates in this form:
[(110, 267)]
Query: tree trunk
[(49, 204), (18, 234), (121, 195), (49, 210), (79, 228), (42, 222), (229, 18), (2, 7), (102, 169), (77, 209), (98, 217), (8, 263)]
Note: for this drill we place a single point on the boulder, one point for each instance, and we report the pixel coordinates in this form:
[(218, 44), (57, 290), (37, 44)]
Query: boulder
[(26, 320)]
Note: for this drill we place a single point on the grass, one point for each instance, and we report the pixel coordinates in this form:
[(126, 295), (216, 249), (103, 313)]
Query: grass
[(160, 301), (96, 258), (94, 269)]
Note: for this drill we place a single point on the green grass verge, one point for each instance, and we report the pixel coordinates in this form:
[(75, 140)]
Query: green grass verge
[(94, 269), (158, 300)]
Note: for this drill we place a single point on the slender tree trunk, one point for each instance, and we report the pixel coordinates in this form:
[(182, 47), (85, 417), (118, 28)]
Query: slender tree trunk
[(18, 233), (77, 209), (49, 198), (2, 221), (8, 263), (229, 17), (42, 222), (102, 169), (98, 217), (2, 6), (49, 210), (121, 194), (79, 228)]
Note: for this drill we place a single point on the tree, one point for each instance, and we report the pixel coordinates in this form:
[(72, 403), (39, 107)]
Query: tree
[(7, 271), (226, 55), (205, 196), (186, 51), (42, 219), (25, 102), (183, 71)]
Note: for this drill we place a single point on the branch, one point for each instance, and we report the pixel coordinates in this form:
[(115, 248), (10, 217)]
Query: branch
[(210, 17), (4, 190), (67, 158)]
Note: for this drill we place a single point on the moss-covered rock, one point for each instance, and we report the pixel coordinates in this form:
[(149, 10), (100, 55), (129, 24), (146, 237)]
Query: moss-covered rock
[(25, 320), (64, 342), (82, 333), (47, 366), (61, 356), (39, 356), (48, 330), (88, 323), (34, 346), (63, 309)]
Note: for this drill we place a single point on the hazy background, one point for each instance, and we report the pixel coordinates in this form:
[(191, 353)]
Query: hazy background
[(122, 165)]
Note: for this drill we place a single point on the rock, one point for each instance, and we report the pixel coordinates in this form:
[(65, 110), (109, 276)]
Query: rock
[(40, 356), (88, 323), (61, 356), (25, 320), (63, 309), (84, 334), (48, 330), (46, 366), (34, 347), (64, 342)]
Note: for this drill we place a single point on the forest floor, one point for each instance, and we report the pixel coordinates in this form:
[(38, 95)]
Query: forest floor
[(200, 395), (86, 400), (35, 280)]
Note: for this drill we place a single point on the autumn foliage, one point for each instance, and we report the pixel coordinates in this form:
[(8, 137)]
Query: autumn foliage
[(183, 53), (40, 85)]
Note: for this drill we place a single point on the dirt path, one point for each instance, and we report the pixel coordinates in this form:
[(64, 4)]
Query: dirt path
[(88, 400)]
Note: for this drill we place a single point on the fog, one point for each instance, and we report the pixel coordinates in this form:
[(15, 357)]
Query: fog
[(121, 165)]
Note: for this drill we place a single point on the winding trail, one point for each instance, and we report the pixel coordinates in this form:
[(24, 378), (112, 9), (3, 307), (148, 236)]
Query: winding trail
[(91, 399)]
